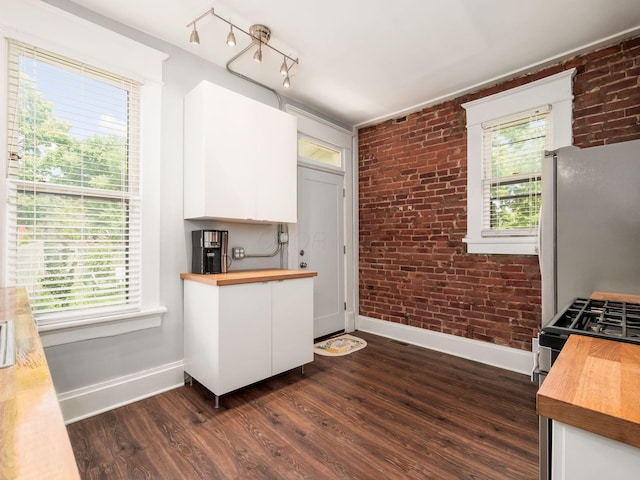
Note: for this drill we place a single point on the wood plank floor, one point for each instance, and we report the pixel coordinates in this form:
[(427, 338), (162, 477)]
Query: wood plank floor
[(389, 411)]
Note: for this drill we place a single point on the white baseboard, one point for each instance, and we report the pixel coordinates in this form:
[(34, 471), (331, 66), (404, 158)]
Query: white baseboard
[(496, 355), (101, 397)]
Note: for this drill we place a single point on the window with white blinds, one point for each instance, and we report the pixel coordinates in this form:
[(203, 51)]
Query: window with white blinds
[(73, 181), (507, 133), (512, 153)]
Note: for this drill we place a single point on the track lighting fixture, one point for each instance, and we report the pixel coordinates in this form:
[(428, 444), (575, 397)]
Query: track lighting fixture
[(231, 38), (259, 34)]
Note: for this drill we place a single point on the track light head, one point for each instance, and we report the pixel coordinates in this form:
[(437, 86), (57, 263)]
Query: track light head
[(258, 55), (286, 83), (195, 37), (284, 69), (231, 38)]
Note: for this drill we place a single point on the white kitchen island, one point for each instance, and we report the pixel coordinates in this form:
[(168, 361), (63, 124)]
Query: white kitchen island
[(243, 327)]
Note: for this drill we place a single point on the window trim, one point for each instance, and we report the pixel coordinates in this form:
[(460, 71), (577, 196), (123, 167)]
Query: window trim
[(50, 28), (554, 90), (323, 133)]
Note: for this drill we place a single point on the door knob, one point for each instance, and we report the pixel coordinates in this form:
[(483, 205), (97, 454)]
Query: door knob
[(303, 264)]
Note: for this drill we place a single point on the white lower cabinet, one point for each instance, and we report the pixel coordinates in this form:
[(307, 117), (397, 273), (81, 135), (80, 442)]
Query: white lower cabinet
[(236, 335), (581, 455)]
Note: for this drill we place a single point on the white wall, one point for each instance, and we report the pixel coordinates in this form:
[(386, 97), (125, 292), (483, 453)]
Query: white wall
[(87, 370)]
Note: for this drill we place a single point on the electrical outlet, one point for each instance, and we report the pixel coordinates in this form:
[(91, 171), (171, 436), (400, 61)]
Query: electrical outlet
[(237, 253), (283, 237)]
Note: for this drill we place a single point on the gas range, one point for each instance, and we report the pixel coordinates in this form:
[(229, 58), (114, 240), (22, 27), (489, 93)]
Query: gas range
[(607, 319)]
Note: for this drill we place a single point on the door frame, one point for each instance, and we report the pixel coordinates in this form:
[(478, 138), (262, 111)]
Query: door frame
[(345, 140)]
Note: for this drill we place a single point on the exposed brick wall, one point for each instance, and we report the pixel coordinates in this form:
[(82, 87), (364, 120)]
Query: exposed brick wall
[(414, 268), (606, 107)]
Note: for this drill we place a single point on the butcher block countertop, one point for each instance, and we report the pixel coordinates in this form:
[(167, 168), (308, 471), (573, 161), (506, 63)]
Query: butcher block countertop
[(595, 385), (247, 276), (33, 438), (618, 297)]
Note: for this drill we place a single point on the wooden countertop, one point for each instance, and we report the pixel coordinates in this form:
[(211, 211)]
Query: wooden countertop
[(247, 276), (595, 385), (618, 297), (33, 438)]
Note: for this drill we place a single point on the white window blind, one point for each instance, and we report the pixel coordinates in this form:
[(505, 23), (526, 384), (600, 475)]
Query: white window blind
[(512, 153), (73, 183)]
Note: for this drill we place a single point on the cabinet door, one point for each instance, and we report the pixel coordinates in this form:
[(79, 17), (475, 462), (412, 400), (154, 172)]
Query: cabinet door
[(245, 335), (276, 166), (292, 323), (230, 181), (201, 325), (578, 454), (219, 180)]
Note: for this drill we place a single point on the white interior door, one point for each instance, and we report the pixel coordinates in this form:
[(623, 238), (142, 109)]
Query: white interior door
[(321, 245)]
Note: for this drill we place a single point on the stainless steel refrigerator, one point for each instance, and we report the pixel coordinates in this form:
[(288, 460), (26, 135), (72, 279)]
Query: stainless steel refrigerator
[(590, 223), (589, 236)]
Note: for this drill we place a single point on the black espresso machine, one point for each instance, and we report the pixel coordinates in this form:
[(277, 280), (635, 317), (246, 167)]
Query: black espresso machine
[(209, 251)]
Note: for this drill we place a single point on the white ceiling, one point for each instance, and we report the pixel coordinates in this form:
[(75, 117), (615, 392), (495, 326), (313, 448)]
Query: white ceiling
[(362, 61)]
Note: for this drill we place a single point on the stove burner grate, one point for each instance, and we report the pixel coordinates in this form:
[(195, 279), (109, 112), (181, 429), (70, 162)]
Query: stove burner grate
[(600, 318)]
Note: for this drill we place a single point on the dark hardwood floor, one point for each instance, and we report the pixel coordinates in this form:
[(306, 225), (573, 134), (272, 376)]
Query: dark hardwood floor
[(390, 411)]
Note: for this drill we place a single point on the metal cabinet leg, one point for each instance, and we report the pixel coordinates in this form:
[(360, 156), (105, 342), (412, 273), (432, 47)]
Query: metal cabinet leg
[(217, 402), (302, 370)]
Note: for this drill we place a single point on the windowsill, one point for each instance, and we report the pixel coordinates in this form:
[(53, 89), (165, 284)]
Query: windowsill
[(63, 332), (503, 245)]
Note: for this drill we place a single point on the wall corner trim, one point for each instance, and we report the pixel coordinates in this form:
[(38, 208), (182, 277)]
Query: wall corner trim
[(499, 356), (101, 397)]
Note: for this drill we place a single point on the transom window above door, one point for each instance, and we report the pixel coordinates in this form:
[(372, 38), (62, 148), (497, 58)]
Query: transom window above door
[(313, 151)]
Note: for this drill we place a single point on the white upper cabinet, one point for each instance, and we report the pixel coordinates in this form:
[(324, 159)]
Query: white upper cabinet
[(240, 158)]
